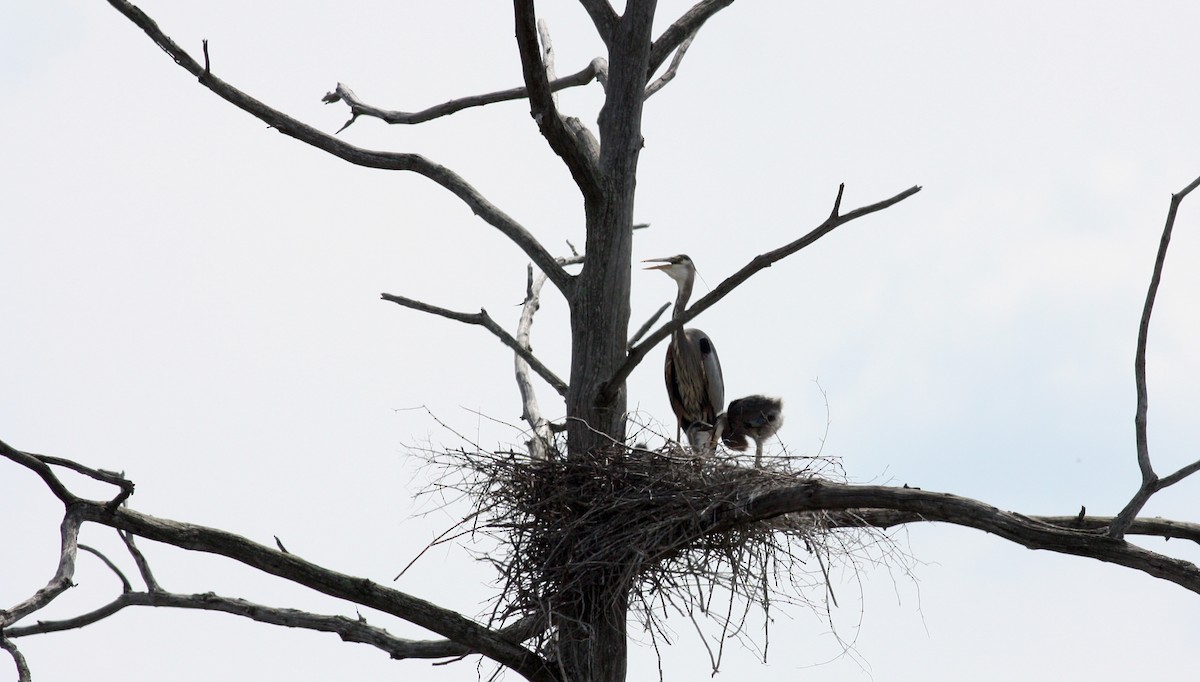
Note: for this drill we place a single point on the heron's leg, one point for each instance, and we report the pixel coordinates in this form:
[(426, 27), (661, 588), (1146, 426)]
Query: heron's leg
[(758, 453)]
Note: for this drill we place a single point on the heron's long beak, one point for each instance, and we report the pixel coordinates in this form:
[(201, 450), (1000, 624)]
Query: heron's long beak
[(664, 263)]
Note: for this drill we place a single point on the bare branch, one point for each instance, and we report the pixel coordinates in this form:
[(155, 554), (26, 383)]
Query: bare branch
[(1150, 483), (69, 531), (1149, 527), (37, 466), (342, 93), (924, 505), (577, 150), (1178, 476), (349, 629), (356, 155), (23, 674), (603, 18), (445, 622), (684, 28), (543, 30), (766, 260), (648, 324), (125, 586), (669, 75), (484, 320), (140, 560), (540, 443), (109, 477)]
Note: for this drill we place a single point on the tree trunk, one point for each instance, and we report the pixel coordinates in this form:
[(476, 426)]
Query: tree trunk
[(592, 644)]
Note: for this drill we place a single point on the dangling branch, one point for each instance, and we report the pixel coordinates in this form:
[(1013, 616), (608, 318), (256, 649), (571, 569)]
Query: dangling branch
[(1151, 483)]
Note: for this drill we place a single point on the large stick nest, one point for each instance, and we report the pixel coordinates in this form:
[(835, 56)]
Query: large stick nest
[(637, 518)]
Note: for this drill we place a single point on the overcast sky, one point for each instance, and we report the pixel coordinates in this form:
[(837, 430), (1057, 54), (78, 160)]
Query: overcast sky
[(193, 299)]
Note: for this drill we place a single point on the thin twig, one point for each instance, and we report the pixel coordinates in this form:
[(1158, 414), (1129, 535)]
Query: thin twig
[(125, 586)]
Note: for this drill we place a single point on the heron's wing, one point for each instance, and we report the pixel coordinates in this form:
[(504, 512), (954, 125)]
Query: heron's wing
[(673, 393), (714, 380)]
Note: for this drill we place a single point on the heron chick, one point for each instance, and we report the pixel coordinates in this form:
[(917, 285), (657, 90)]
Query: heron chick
[(755, 416)]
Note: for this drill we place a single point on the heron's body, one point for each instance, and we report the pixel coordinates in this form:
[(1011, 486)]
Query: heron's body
[(695, 385)]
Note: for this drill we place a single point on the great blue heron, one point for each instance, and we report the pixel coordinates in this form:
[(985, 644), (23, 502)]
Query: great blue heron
[(755, 416), (693, 370)]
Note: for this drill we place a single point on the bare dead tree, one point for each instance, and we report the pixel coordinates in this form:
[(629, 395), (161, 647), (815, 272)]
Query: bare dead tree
[(575, 563)]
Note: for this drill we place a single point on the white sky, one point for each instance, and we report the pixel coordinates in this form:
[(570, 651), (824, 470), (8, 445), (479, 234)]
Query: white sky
[(192, 298)]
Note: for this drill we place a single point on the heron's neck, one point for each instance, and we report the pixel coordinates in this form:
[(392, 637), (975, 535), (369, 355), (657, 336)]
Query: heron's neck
[(681, 301)]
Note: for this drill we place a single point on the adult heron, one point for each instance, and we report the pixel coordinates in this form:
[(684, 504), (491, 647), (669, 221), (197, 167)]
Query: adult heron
[(755, 416), (693, 370)]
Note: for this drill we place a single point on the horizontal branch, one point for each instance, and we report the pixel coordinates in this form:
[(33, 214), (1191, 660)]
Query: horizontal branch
[(484, 320), (355, 155), (1166, 529), (923, 505), (449, 624), (349, 629), (766, 260), (341, 93)]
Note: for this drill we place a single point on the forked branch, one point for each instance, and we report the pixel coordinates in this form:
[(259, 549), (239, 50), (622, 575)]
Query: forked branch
[(1151, 483), (356, 155), (766, 260)]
